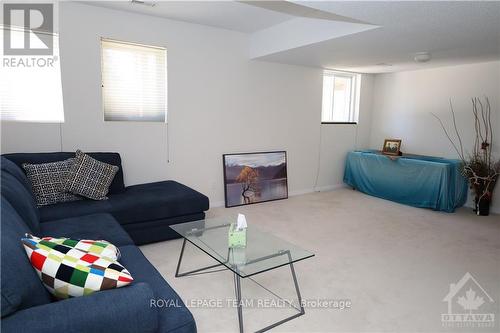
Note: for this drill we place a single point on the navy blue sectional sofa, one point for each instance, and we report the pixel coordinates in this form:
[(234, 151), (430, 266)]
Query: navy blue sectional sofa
[(133, 215)]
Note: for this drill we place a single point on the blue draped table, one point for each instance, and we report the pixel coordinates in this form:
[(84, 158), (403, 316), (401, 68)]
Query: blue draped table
[(419, 181)]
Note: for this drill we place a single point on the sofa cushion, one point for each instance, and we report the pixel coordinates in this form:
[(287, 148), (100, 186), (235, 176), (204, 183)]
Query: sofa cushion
[(158, 230), (124, 310), (89, 177), (117, 186), (21, 287), (48, 180), (139, 203), (171, 318), (21, 199), (68, 272), (154, 201), (74, 209), (95, 226)]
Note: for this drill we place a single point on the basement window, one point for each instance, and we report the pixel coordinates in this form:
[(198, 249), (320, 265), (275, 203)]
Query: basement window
[(340, 98), (134, 81)]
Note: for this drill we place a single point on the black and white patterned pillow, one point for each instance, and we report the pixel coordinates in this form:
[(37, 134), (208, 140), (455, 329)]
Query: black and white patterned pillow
[(89, 177), (48, 181)]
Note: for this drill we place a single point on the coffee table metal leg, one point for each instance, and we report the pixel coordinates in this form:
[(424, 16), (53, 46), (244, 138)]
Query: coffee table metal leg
[(297, 290), (180, 258), (237, 287), (301, 311), (195, 271)]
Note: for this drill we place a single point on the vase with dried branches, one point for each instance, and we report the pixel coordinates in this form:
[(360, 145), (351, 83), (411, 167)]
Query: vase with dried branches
[(479, 166)]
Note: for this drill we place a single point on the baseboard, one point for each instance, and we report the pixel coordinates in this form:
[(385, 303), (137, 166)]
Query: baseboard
[(493, 210), (215, 204), (330, 187), (317, 189), (299, 192)]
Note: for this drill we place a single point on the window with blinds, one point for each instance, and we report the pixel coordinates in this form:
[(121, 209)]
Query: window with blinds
[(134, 81), (30, 87)]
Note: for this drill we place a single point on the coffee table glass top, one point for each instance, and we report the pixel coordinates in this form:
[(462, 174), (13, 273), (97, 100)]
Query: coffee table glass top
[(263, 250)]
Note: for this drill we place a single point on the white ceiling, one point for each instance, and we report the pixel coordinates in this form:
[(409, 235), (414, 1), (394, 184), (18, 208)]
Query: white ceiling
[(229, 15), (352, 35), (453, 32)]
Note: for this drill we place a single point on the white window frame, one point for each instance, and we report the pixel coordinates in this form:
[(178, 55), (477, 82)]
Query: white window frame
[(106, 39), (353, 98)]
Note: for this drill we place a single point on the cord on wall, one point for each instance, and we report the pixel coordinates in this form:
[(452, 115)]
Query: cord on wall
[(60, 137), (358, 105), (319, 157), (356, 136), (168, 141)]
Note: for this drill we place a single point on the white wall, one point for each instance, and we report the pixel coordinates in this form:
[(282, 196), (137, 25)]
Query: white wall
[(219, 102), (403, 102)]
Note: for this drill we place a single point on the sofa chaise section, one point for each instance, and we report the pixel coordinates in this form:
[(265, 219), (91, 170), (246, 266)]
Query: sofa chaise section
[(145, 211)]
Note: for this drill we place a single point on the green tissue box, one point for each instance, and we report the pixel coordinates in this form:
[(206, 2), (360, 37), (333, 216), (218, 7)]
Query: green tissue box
[(237, 238)]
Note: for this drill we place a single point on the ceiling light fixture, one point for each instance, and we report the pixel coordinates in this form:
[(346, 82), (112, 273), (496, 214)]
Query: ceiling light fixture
[(144, 2), (422, 57)]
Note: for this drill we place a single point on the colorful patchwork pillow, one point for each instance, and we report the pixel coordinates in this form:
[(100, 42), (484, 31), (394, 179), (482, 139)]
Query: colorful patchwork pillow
[(69, 272), (98, 247)]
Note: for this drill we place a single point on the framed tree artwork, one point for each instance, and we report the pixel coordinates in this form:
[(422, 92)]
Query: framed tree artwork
[(254, 177)]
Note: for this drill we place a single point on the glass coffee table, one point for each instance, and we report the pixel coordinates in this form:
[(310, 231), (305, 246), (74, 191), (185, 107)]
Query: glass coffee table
[(263, 252)]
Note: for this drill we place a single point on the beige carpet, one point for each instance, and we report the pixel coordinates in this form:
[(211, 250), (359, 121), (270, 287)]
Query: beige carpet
[(394, 262)]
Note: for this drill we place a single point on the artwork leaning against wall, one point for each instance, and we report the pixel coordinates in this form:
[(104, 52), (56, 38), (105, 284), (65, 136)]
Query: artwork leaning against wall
[(254, 177)]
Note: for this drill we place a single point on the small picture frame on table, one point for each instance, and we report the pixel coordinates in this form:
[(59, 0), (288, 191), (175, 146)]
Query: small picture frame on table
[(392, 147)]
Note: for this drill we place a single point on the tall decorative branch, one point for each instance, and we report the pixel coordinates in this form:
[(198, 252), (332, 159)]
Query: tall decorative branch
[(461, 151), (456, 130), (478, 167)]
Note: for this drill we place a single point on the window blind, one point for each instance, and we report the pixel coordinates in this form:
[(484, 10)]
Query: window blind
[(134, 81), (30, 87)]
